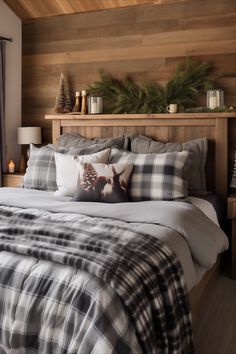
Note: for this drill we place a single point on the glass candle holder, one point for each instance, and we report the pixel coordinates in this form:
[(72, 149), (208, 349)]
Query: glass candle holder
[(215, 99)]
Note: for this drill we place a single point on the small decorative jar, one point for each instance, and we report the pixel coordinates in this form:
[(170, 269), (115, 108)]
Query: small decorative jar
[(95, 105), (215, 99)]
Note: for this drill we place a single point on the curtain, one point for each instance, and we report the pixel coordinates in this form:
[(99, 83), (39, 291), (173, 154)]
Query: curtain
[(2, 108)]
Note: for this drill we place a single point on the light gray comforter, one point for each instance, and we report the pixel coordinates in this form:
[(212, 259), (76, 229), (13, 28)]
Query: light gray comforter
[(193, 237), (182, 227)]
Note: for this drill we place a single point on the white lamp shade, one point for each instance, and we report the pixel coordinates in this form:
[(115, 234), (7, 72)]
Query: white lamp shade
[(29, 135)]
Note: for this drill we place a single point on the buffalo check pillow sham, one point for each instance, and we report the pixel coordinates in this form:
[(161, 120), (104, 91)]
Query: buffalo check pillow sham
[(156, 176), (198, 148)]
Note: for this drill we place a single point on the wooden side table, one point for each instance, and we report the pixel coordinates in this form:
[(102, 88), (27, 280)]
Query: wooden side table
[(232, 216), (13, 179)]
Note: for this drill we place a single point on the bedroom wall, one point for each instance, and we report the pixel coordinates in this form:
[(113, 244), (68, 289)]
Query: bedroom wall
[(10, 26), (146, 42)]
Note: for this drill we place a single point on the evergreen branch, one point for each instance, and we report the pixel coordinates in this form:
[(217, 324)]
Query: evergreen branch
[(125, 96), (188, 83)]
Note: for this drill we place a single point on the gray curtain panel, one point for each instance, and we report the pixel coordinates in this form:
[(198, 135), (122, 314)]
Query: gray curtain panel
[(2, 108)]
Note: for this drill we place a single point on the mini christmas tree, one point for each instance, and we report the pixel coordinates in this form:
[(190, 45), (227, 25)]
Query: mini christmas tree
[(63, 103)]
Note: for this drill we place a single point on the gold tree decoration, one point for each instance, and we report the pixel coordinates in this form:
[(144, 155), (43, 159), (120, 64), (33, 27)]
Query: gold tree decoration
[(63, 103), (125, 96)]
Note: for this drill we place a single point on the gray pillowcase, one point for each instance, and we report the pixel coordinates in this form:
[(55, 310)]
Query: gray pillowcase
[(198, 148), (87, 146)]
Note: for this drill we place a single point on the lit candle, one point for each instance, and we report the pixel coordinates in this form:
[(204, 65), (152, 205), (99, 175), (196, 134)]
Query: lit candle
[(11, 166)]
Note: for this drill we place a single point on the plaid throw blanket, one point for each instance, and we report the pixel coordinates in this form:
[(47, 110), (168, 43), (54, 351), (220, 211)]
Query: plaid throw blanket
[(144, 273)]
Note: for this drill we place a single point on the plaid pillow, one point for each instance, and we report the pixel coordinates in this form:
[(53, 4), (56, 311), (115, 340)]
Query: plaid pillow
[(41, 170), (156, 176), (198, 148)]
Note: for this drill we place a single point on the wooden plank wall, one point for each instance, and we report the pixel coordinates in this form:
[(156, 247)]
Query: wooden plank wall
[(28, 9), (146, 42)]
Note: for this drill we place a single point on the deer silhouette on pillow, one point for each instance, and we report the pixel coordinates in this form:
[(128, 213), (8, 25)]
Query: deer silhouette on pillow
[(103, 183)]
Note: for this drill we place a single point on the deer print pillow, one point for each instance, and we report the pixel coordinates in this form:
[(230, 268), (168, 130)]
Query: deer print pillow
[(67, 170), (99, 182)]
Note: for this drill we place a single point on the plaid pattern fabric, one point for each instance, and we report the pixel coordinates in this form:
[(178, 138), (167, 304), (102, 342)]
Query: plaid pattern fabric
[(148, 281), (198, 148), (41, 170), (155, 176), (47, 308)]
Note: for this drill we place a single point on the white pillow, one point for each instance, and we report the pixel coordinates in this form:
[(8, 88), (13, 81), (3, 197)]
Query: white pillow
[(67, 170)]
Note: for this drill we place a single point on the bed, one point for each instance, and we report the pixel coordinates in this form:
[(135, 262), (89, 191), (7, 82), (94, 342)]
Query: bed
[(69, 279)]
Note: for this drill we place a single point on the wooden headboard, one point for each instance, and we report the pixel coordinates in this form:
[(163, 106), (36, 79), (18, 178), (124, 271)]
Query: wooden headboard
[(178, 127)]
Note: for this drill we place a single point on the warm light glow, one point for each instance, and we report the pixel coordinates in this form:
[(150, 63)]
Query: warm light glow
[(11, 166)]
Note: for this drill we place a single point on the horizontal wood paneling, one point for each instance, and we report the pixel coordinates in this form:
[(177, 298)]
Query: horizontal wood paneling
[(28, 9), (146, 42)]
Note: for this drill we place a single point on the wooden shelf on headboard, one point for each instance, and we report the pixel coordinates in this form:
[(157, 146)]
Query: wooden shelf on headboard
[(176, 127), (141, 116)]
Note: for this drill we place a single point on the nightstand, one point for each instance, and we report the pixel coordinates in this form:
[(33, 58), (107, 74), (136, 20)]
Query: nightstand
[(13, 179), (232, 215)]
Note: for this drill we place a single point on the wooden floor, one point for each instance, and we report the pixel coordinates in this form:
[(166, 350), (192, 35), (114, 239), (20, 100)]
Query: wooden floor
[(215, 330)]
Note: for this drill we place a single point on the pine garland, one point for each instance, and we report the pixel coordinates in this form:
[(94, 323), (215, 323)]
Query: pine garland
[(125, 96), (208, 110)]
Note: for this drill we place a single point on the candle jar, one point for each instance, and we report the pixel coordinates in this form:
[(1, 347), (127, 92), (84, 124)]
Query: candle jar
[(11, 166), (215, 99), (95, 105)]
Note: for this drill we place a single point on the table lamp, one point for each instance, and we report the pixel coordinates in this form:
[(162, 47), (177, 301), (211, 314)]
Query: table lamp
[(27, 136)]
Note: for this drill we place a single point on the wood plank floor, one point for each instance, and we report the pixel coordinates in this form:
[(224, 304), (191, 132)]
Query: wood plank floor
[(215, 331)]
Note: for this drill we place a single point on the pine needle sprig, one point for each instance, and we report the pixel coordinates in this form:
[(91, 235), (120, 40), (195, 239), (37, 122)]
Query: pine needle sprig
[(188, 83)]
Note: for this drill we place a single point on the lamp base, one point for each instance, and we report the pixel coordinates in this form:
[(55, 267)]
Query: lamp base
[(22, 167)]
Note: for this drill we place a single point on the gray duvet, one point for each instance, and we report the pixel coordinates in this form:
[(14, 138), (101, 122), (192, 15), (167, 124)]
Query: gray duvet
[(185, 229), (182, 227)]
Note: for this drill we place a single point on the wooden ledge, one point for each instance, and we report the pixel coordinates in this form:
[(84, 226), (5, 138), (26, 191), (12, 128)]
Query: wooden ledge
[(141, 116)]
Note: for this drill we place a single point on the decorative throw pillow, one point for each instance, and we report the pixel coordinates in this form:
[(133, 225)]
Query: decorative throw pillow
[(41, 170), (103, 183), (156, 176), (67, 170), (198, 147)]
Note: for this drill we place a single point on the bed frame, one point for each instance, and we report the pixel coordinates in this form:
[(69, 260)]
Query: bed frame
[(177, 127)]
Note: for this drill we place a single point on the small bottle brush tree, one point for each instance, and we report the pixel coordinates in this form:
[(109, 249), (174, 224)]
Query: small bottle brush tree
[(63, 103)]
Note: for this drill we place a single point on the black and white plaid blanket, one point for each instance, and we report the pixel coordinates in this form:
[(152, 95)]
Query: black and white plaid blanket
[(143, 272)]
